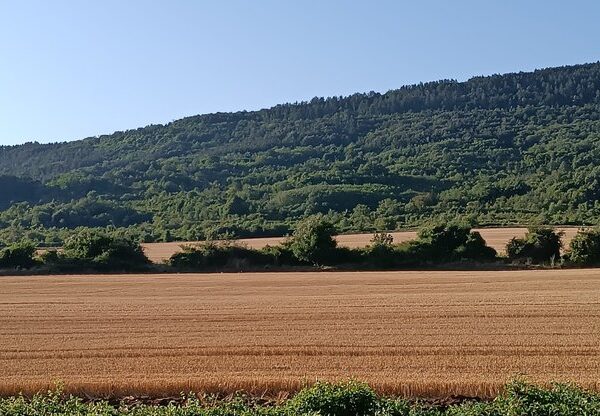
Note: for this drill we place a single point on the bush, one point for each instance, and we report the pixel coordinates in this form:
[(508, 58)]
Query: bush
[(211, 255), (400, 407), (475, 248), (50, 256), (280, 254), (19, 255), (434, 244), (382, 240), (444, 239), (585, 248), (381, 255), (382, 252), (415, 252), (450, 242), (313, 240), (539, 245), (561, 399), (346, 255), (343, 399), (99, 250)]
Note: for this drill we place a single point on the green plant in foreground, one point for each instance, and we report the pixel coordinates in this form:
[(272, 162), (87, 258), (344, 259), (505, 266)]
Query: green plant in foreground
[(345, 399), (350, 398)]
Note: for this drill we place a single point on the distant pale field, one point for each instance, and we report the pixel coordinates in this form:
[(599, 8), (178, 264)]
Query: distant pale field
[(495, 237), (420, 333)]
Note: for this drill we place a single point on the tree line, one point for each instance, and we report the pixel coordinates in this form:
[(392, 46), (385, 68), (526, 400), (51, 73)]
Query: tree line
[(312, 244)]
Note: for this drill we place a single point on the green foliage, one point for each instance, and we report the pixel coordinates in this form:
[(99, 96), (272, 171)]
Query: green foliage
[(281, 254), (585, 248), (397, 407), (381, 252), (517, 148), (443, 240), (211, 255), (311, 243), (475, 248), (89, 211), (382, 239), (450, 242), (562, 399), (87, 245), (539, 245), (18, 255), (98, 250), (16, 189), (313, 240), (326, 399), (343, 399)]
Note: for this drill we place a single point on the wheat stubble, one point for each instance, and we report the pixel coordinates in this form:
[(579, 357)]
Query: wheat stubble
[(433, 333)]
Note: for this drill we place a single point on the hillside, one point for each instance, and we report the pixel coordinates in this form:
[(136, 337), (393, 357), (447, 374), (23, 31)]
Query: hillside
[(502, 149)]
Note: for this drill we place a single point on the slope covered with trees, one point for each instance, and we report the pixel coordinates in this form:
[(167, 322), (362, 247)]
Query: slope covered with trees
[(502, 149)]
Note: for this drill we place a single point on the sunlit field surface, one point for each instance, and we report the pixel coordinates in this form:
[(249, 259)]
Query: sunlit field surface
[(494, 237), (418, 333)]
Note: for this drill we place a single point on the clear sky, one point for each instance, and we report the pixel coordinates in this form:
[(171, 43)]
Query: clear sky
[(73, 69)]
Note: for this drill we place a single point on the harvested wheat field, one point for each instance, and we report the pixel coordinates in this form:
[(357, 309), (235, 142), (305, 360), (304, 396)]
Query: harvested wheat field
[(416, 333), (495, 237)]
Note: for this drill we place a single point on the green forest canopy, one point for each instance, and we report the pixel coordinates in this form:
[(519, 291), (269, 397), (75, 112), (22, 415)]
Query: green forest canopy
[(502, 149)]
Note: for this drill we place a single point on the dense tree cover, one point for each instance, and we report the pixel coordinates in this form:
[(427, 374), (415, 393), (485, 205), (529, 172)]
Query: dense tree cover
[(348, 398), (514, 148)]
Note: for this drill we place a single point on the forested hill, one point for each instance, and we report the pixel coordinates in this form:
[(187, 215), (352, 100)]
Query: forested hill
[(514, 148)]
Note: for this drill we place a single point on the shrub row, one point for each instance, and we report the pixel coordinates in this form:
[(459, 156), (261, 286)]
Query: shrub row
[(312, 243), (343, 399), (83, 251), (544, 245)]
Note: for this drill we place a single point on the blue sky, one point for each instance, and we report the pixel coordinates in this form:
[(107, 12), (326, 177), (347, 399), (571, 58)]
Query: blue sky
[(73, 69)]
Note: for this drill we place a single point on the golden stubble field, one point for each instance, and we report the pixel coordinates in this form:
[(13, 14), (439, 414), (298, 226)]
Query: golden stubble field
[(494, 237), (416, 333)]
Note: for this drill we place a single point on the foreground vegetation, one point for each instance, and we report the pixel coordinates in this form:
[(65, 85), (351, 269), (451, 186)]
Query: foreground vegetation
[(505, 149), (343, 399)]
